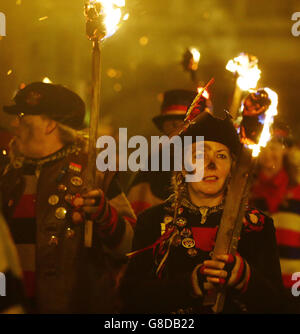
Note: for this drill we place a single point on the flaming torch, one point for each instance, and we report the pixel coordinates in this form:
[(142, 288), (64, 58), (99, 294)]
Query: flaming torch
[(259, 109), (190, 62), (247, 73), (103, 18)]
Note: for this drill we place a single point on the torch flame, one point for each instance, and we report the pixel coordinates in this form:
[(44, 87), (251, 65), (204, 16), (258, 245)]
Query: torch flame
[(112, 11), (245, 66), (269, 118), (46, 80), (205, 93)]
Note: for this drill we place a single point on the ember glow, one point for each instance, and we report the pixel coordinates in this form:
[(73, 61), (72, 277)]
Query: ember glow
[(205, 93), (196, 58), (269, 118), (112, 12), (245, 66), (46, 80)]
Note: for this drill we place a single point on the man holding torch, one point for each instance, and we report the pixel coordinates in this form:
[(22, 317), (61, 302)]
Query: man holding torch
[(47, 201)]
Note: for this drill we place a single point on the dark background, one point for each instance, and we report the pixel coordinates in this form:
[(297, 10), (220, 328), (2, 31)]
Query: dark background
[(58, 48)]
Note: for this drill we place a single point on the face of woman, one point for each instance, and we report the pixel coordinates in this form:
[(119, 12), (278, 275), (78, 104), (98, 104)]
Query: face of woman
[(217, 166)]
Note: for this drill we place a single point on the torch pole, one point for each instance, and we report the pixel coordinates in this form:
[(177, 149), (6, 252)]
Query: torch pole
[(95, 114), (93, 131), (236, 101)]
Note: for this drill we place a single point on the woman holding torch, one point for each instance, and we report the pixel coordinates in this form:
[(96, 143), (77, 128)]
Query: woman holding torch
[(171, 269)]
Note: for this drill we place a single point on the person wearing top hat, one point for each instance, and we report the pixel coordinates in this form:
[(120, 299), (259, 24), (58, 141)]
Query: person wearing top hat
[(46, 204), (170, 268), (151, 188)]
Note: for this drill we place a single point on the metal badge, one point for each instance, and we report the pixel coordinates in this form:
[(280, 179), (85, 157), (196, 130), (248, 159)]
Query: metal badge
[(253, 218), (69, 198), (53, 241), (60, 213), (176, 241), (53, 199), (62, 188), (188, 243), (181, 222), (76, 181), (168, 219), (75, 167), (70, 233), (192, 252), (186, 232), (180, 211)]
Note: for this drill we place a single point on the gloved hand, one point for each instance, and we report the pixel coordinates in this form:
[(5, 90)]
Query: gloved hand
[(94, 205), (229, 270)]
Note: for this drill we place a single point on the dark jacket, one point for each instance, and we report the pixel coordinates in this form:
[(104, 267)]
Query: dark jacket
[(144, 290), (71, 278)]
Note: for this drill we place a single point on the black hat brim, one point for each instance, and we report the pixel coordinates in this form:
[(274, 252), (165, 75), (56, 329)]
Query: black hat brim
[(160, 119), (17, 109), (215, 129)]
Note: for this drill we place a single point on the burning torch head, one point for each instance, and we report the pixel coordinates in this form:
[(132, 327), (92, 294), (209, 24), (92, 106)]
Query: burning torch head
[(95, 28), (214, 129), (256, 103), (254, 107)]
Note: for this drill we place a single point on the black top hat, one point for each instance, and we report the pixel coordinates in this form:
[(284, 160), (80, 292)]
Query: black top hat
[(54, 101), (174, 106)]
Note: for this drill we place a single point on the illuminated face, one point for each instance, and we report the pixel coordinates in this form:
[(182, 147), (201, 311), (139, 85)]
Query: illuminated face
[(29, 134), (217, 166), (271, 157)]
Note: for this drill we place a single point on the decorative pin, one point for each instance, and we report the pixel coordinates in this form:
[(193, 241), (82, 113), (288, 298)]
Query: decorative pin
[(192, 252), (188, 243), (62, 188), (76, 181), (253, 218), (181, 222), (176, 241), (180, 210), (70, 233), (69, 198), (168, 219), (53, 199), (186, 232), (75, 167), (60, 213), (53, 241), (162, 228), (62, 173)]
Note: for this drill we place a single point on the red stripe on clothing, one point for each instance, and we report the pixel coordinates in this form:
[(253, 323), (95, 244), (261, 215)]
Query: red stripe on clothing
[(204, 237), (26, 207), (287, 280), (287, 237)]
